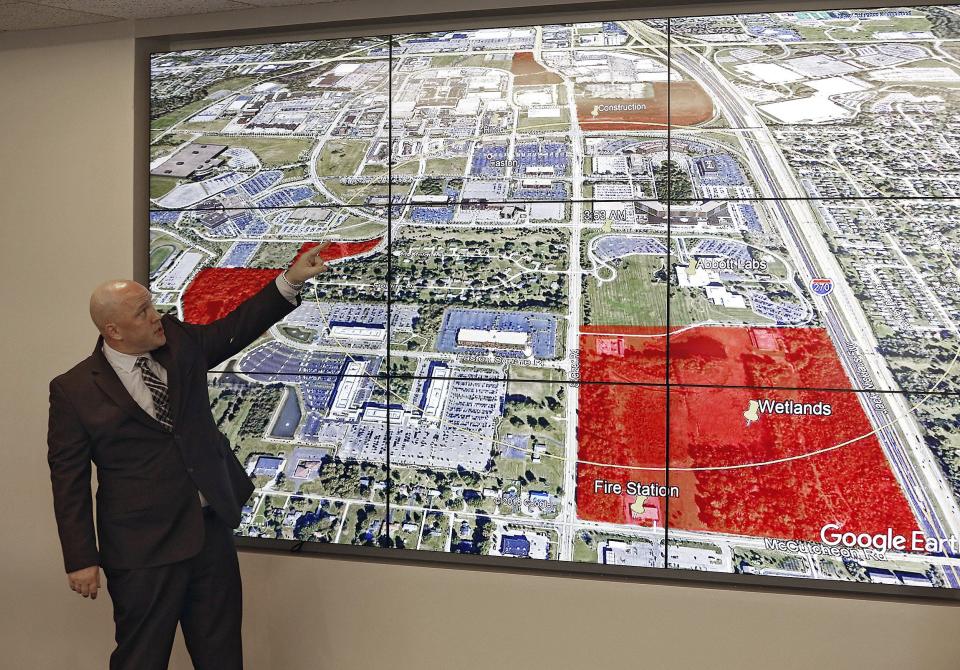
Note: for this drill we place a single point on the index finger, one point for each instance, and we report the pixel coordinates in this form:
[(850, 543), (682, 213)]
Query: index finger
[(320, 247)]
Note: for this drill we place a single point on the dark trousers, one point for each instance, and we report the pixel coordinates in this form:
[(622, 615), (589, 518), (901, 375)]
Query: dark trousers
[(202, 594)]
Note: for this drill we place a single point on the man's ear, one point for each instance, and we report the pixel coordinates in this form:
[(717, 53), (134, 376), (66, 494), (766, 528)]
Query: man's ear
[(110, 331)]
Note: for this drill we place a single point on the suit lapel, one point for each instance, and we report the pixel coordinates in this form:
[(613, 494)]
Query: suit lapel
[(108, 381)]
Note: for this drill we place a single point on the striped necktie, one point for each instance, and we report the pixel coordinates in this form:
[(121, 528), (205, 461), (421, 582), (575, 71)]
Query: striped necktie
[(158, 391)]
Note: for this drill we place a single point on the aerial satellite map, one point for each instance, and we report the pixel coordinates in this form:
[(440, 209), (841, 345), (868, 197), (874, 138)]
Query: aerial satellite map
[(675, 294)]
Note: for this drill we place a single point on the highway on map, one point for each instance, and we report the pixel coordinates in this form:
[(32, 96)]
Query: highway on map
[(846, 324)]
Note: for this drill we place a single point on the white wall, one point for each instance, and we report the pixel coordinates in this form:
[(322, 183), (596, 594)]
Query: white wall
[(67, 221)]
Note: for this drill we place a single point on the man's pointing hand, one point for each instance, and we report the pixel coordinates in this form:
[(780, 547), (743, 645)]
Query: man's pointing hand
[(309, 265)]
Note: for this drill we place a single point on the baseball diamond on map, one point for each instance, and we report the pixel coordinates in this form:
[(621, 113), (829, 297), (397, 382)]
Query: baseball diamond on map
[(587, 300)]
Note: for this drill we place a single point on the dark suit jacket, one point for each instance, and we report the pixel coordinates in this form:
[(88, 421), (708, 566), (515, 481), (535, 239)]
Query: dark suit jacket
[(148, 510)]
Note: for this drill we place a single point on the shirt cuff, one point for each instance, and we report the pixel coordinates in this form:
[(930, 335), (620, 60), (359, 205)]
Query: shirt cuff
[(288, 290)]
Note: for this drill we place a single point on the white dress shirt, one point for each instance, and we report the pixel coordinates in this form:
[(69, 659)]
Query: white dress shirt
[(125, 365)]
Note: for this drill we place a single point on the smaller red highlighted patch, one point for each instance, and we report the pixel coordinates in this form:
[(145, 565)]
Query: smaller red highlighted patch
[(215, 292)]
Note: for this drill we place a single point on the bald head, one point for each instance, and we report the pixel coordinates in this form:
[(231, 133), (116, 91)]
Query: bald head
[(107, 299), (123, 312)]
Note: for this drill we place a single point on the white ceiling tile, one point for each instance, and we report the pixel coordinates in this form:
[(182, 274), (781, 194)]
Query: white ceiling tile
[(284, 3), (148, 9), (31, 16)]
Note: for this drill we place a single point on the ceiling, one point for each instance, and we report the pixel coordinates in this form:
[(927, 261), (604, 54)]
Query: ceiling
[(17, 15), (24, 15)]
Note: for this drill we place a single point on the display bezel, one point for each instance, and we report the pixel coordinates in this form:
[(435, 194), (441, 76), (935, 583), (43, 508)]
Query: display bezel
[(151, 46)]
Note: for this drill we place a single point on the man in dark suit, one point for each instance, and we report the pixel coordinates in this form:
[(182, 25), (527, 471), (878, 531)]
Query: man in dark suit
[(169, 487)]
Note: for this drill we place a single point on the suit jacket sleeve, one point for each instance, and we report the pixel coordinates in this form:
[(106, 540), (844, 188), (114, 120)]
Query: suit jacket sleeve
[(228, 336), (69, 458)]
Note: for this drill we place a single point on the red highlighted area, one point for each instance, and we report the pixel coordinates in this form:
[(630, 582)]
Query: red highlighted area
[(743, 461), (789, 357), (620, 425), (689, 106), (851, 485), (718, 355), (528, 72), (215, 292), (334, 251), (634, 354)]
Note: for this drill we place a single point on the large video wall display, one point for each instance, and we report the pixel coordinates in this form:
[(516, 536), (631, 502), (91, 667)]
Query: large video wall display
[(674, 294)]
